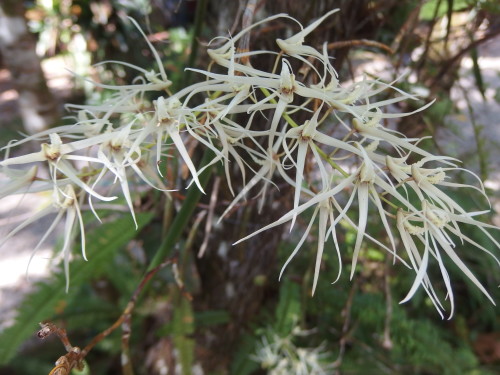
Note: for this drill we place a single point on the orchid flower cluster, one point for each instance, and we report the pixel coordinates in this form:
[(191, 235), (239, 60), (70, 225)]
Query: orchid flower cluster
[(280, 355), (112, 146)]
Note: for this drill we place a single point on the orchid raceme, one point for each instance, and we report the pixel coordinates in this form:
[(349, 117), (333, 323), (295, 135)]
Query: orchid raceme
[(295, 124)]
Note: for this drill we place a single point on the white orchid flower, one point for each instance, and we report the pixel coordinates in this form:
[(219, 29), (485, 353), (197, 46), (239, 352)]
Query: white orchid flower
[(283, 87), (321, 202), (374, 131), (222, 55), (230, 136), (305, 137), (268, 166), (326, 226), (58, 157), (294, 46), (171, 126), (433, 230)]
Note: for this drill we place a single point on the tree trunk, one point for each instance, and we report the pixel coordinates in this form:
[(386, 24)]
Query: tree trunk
[(38, 107)]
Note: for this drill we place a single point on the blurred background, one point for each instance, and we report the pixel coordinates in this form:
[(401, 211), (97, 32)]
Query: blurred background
[(449, 51)]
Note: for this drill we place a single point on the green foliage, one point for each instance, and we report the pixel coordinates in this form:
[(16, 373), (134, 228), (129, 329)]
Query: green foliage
[(446, 7), (282, 323), (429, 349), (429, 8), (211, 318), (183, 325), (242, 363), (476, 70), (288, 310), (50, 298)]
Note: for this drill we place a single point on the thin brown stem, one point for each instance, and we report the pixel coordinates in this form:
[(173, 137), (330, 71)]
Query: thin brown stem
[(74, 358), (360, 42), (447, 65)]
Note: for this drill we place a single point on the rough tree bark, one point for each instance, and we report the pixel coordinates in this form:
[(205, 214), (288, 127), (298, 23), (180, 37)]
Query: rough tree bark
[(38, 107)]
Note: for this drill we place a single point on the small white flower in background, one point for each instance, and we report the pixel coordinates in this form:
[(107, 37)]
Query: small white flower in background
[(280, 355)]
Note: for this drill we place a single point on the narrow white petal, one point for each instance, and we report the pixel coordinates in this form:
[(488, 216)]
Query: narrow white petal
[(335, 241), (176, 138), (299, 37), (421, 273), (323, 218), (333, 142), (67, 170), (381, 212), (363, 217), (301, 160), (460, 264), (280, 108), (299, 244), (446, 278), (68, 238), (126, 194)]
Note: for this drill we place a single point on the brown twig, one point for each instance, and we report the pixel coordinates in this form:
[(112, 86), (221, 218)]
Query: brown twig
[(73, 359), (401, 40), (75, 356), (360, 42), (345, 334), (427, 42), (446, 65)]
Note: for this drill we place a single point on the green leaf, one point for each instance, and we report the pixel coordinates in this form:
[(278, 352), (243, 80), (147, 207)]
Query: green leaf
[(242, 364), (184, 215), (49, 298), (211, 318), (476, 70), (288, 309)]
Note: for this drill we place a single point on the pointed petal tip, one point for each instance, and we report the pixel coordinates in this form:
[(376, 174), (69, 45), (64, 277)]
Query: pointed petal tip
[(351, 275)]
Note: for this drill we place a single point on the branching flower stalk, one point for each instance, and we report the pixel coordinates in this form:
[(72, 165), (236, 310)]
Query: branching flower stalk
[(114, 147)]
